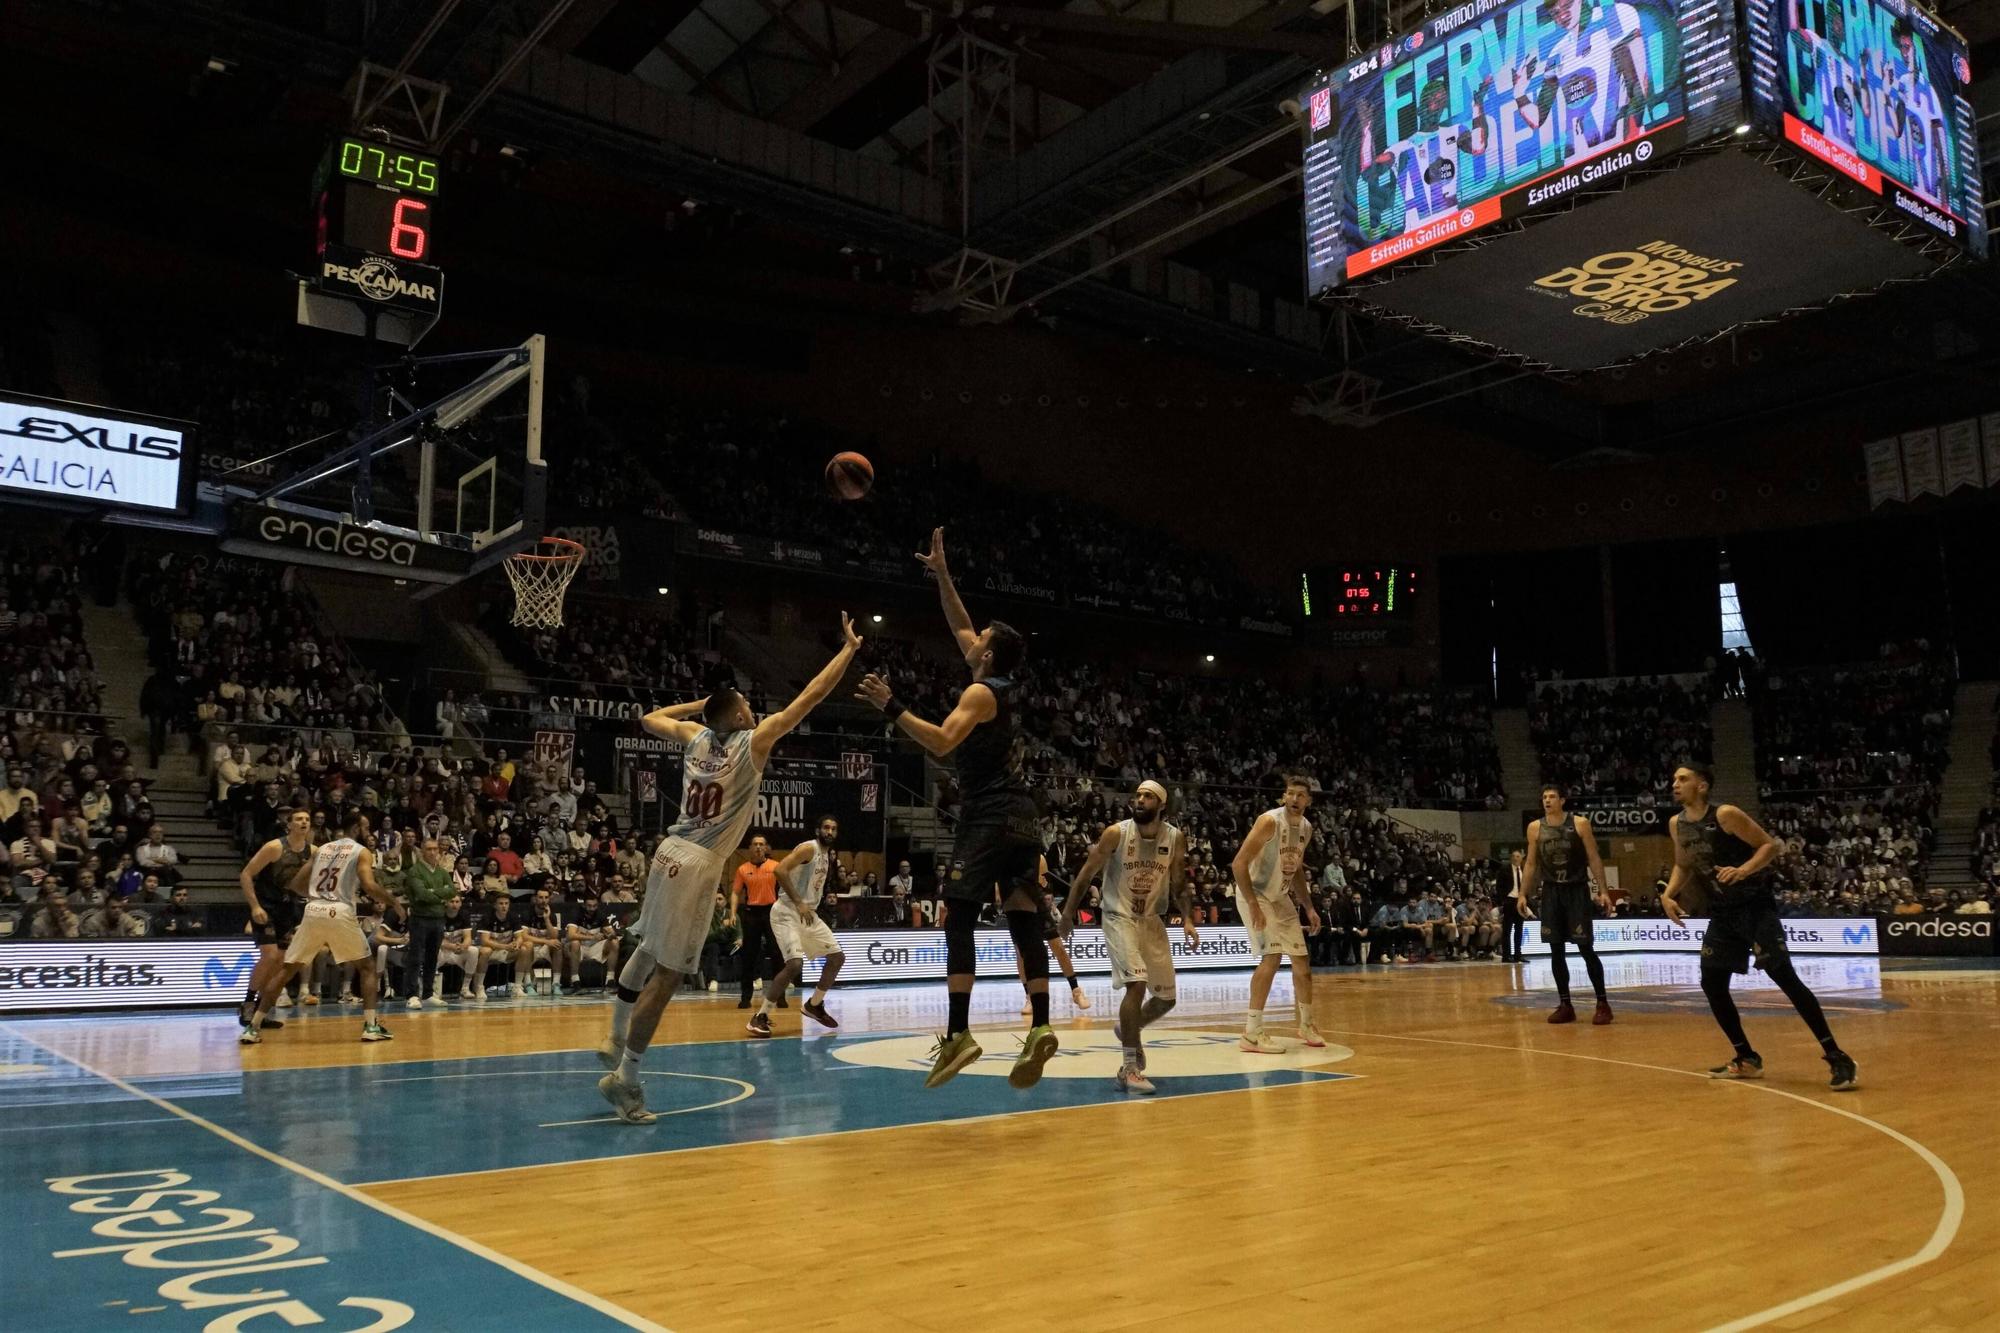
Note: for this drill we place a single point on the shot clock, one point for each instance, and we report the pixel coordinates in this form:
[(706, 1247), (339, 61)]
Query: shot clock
[(377, 223), (1377, 591)]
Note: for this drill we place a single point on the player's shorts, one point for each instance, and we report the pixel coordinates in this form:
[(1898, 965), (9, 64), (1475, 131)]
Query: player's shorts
[(1140, 951), (597, 950), (552, 952), (1736, 934), (680, 903), (1282, 933), (800, 937), (1567, 913), (329, 926), (465, 960), (281, 918), (1001, 850), (1051, 919)]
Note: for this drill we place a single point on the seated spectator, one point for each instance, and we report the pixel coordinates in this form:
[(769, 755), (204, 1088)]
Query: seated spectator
[(179, 916), (110, 920), (53, 918), (156, 856), (33, 854)]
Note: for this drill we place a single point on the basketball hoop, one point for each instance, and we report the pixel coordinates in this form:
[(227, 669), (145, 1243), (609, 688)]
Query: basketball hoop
[(540, 576)]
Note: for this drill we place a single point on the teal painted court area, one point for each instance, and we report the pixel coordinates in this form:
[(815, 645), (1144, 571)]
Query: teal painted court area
[(198, 1199)]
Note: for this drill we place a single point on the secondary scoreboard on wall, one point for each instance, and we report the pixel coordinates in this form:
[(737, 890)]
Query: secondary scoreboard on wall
[(376, 224), (1341, 591), (1498, 107), (1880, 91)]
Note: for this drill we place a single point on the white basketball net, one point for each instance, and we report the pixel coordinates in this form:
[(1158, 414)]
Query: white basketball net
[(540, 577)]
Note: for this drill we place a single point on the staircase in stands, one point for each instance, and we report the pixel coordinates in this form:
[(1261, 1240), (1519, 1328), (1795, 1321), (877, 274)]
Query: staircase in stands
[(1967, 787), (1735, 754), (177, 788), (1520, 765)]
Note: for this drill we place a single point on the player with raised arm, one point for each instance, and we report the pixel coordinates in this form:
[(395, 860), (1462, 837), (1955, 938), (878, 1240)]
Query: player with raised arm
[(1563, 857), (274, 911), (804, 877), (1269, 870), (1724, 854), (722, 765), (328, 882), (999, 830), (1144, 863)]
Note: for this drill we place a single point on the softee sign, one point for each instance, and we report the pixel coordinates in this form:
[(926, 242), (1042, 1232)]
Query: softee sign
[(1850, 935)]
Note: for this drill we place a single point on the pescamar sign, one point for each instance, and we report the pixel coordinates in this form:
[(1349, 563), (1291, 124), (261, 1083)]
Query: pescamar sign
[(96, 456)]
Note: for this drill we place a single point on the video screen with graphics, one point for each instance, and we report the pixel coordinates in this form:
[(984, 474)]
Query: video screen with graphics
[(1498, 107), (1880, 91)]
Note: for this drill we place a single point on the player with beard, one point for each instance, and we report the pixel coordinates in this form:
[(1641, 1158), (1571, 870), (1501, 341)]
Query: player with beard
[(999, 830), (1724, 854), (1563, 858), (274, 911), (804, 879), (1143, 859), (1422, 171)]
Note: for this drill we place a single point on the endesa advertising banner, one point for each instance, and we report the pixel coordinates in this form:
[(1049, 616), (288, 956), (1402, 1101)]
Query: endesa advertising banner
[(1656, 934), (98, 456), (1880, 91), (1496, 107), (1937, 934), (114, 974), (918, 955)]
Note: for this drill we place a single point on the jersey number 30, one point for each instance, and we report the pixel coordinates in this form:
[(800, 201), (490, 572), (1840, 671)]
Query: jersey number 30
[(704, 800)]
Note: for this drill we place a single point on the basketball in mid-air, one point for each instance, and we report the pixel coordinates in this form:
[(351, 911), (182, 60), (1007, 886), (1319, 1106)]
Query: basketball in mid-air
[(849, 475)]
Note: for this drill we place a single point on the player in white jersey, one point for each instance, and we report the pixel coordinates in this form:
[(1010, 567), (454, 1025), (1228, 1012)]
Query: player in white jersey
[(1143, 860), (1270, 888), (1915, 144), (329, 882), (803, 880), (1589, 91), (1819, 68), (723, 765), (1421, 170)]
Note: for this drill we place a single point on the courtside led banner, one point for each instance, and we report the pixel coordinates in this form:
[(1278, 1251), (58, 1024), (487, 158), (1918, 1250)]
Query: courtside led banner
[(918, 955), (1848, 934), (51, 450), (1498, 107), (114, 974), (1880, 91)]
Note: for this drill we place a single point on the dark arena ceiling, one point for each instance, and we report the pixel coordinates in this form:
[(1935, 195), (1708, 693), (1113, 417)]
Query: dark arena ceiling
[(1130, 171)]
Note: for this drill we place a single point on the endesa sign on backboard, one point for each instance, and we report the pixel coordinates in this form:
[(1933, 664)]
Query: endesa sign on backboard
[(97, 456)]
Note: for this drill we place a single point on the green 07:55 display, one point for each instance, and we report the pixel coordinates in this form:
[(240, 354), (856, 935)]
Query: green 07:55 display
[(387, 166)]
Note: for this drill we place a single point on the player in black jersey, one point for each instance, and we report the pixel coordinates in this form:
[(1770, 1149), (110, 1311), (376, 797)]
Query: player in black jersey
[(274, 910), (1563, 858), (1724, 853), (999, 829)]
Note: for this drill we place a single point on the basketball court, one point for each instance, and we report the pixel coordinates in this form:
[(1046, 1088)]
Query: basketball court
[(1449, 1160)]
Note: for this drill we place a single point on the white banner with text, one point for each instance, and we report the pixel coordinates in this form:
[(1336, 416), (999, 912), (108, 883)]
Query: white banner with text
[(1656, 934)]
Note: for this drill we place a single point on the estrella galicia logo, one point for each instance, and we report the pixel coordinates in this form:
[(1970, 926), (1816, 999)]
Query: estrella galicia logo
[(227, 973), (376, 277)]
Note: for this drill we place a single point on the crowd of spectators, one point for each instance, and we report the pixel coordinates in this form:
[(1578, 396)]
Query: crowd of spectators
[(760, 476), (236, 649), (1619, 740), (81, 855), (1849, 762)]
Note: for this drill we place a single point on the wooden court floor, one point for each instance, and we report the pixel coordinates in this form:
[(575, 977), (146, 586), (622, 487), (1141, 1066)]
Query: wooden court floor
[(1453, 1161)]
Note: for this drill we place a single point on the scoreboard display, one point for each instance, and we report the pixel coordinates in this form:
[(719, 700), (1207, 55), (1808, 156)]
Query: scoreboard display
[(1498, 107), (1339, 591), (1880, 91), (376, 224)]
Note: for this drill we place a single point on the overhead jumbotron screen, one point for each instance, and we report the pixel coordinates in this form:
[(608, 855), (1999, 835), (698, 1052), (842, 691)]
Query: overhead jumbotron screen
[(1498, 107), (1880, 91)]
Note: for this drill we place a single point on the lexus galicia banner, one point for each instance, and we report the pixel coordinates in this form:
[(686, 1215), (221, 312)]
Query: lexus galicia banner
[(112, 974), (93, 455), (918, 955), (1656, 934)]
